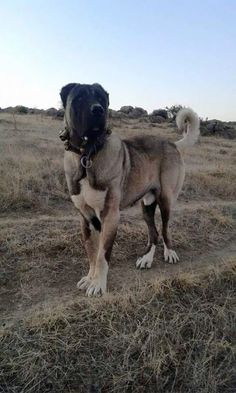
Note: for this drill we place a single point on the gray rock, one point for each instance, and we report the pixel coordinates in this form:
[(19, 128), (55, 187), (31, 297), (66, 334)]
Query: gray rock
[(160, 112), (51, 112), (137, 112), (217, 127), (126, 109), (156, 119)]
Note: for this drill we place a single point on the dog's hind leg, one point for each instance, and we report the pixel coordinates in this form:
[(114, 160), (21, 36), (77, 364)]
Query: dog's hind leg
[(90, 235), (165, 203), (172, 177), (149, 204)]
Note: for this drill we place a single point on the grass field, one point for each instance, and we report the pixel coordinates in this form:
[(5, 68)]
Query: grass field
[(169, 329)]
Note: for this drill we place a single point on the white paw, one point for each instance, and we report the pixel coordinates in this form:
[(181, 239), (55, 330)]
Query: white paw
[(170, 256), (145, 262), (97, 287), (84, 282)]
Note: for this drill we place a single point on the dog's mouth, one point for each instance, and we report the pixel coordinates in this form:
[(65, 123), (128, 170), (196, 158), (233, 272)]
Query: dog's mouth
[(95, 126), (86, 143), (90, 135)]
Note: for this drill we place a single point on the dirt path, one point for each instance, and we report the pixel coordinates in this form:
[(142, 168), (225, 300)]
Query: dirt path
[(121, 277), (128, 276), (132, 212), (42, 257), (45, 282)]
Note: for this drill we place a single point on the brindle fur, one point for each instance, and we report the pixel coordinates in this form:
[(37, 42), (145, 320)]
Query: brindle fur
[(122, 172)]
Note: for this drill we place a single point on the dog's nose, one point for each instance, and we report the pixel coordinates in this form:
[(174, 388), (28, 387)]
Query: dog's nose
[(97, 109)]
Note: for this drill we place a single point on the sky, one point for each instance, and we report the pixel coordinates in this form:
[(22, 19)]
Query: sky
[(149, 53)]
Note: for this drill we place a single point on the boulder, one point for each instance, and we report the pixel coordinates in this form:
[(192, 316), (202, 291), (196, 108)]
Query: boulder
[(137, 112), (51, 112), (133, 113), (160, 112), (126, 109), (116, 114), (156, 119), (217, 127), (60, 114)]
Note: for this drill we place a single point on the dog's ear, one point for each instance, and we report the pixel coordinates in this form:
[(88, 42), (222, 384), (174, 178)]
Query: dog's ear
[(65, 92), (104, 91), (108, 101)]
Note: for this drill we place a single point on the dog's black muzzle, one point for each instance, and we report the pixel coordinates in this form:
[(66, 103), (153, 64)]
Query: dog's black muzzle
[(97, 110)]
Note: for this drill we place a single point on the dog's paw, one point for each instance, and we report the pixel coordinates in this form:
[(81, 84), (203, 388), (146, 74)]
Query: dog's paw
[(84, 283), (97, 287), (170, 256), (145, 262)]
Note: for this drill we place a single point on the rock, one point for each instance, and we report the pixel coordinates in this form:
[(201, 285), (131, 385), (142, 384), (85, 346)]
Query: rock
[(137, 112), (133, 113), (35, 111), (51, 112), (156, 119), (217, 127), (160, 112), (116, 114), (126, 109), (60, 114)]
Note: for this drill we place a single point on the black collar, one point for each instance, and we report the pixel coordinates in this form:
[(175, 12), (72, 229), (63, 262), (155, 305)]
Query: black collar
[(87, 147), (64, 135)]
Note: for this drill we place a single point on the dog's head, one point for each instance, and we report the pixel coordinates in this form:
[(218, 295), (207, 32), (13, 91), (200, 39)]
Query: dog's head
[(86, 110)]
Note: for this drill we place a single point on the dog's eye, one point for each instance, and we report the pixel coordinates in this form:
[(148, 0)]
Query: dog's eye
[(101, 100), (79, 99)]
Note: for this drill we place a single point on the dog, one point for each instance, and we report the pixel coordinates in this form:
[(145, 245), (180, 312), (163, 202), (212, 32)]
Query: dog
[(106, 174)]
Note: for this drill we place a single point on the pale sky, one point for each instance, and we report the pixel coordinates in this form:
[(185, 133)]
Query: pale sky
[(151, 53)]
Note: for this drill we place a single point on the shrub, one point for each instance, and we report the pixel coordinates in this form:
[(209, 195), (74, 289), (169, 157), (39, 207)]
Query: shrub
[(21, 109)]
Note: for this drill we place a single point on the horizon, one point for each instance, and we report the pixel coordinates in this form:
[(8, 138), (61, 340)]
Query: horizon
[(149, 113), (148, 55)]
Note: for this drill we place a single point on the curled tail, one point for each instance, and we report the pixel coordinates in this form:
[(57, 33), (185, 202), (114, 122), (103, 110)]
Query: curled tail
[(188, 122)]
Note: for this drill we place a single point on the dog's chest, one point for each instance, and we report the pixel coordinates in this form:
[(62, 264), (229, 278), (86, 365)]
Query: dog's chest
[(93, 198)]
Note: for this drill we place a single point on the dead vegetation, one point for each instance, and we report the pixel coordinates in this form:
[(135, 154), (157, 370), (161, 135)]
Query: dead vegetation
[(171, 335), (169, 329)]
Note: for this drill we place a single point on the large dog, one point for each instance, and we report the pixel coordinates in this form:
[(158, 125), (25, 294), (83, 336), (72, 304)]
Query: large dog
[(106, 174)]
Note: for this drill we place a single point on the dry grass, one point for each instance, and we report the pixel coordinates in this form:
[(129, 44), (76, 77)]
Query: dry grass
[(163, 330), (174, 335), (44, 255), (31, 165), (33, 157), (202, 185), (49, 236)]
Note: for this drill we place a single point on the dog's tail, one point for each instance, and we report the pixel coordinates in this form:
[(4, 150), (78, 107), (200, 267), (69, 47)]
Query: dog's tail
[(188, 122)]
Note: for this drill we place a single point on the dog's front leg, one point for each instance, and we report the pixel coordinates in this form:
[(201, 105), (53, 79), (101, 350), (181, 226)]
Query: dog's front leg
[(90, 235), (110, 220)]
